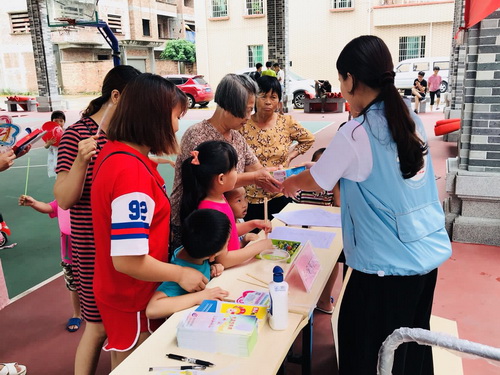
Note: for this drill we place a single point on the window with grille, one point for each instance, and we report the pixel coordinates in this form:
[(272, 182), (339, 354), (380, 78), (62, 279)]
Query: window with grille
[(19, 23), (146, 30), (255, 55), (253, 7), (115, 23), (411, 47), (219, 8), (340, 4)]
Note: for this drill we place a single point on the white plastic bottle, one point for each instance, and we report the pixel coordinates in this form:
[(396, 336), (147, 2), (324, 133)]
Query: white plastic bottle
[(278, 290)]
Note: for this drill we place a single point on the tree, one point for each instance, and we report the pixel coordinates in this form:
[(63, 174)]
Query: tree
[(179, 50)]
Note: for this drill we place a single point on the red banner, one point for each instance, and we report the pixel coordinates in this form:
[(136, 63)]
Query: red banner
[(477, 10)]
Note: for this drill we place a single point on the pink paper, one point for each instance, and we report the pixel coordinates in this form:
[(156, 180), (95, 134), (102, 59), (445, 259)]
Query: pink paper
[(307, 265)]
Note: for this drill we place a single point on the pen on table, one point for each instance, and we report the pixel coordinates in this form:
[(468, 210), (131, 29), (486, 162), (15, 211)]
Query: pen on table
[(190, 360), (302, 226), (161, 368)]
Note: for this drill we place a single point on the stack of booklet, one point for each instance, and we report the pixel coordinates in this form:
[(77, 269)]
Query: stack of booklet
[(218, 333)]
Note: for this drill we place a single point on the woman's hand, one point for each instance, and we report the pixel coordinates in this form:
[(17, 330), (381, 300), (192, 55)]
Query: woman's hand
[(216, 269), (7, 160), (263, 179), (87, 148), (192, 280), (290, 186)]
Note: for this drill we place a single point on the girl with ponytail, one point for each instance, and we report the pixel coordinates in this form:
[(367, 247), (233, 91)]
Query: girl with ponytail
[(392, 220), (207, 174)]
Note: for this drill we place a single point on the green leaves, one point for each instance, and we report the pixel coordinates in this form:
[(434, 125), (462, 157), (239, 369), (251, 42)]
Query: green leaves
[(179, 50)]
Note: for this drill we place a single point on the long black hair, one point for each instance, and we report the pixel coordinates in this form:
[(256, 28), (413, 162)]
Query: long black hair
[(368, 60), (116, 79), (198, 172)]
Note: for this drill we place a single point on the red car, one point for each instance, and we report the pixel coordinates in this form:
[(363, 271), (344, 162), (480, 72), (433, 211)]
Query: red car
[(195, 87)]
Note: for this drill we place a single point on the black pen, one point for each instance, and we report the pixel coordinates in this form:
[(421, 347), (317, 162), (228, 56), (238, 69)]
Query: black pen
[(190, 360), (160, 368)]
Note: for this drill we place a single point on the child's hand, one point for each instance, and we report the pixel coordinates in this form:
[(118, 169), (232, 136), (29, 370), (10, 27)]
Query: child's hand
[(26, 200), (87, 148), (213, 293), (249, 237), (264, 225), (216, 269)]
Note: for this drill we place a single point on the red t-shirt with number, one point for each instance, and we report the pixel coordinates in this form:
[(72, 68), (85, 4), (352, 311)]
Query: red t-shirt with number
[(131, 217)]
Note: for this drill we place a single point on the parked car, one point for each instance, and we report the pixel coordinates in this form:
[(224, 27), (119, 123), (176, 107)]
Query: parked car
[(407, 71), (298, 86), (195, 87)]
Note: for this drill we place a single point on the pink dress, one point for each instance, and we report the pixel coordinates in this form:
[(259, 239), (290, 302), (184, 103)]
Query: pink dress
[(234, 242), (63, 218)]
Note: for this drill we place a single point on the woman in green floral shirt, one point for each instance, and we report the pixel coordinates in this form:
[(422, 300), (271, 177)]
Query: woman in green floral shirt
[(270, 136)]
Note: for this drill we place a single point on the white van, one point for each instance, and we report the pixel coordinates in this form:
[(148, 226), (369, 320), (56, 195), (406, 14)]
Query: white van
[(407, 71)]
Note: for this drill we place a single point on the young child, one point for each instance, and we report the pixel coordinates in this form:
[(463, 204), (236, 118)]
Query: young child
[(207, 174), (53, 210), (53, 144), (320, 198), (239, 204), (205, 234)]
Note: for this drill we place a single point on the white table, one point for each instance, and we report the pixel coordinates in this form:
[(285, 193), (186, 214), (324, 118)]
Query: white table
[(272, 346)]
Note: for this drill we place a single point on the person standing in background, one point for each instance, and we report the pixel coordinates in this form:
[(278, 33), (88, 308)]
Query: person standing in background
[(269, 70), (434, 87), (255, 75)]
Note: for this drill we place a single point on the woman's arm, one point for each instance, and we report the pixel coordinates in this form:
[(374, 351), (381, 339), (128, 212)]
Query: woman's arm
[(147, 268), (302, 136), (301, 181), (162, 306), (69, 184), (236, 257), (260, 176)]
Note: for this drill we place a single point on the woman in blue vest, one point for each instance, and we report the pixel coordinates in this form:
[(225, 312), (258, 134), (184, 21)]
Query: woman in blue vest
[(392, 220)]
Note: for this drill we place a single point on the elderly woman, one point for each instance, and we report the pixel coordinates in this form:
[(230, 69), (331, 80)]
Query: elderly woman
[(235, 98), (270, 135)]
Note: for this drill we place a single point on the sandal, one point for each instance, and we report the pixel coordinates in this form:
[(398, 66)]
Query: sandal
[(10, 369), (72, 322)]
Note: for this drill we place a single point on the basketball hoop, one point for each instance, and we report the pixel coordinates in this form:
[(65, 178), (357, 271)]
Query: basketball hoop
[(71, 13)]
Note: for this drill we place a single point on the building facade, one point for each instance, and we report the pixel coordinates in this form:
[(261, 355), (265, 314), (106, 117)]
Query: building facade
[(316, 31), (473, 178), (82, 56)]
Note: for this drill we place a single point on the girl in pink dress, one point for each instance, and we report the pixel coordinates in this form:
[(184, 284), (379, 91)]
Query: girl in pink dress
[(207, 174)]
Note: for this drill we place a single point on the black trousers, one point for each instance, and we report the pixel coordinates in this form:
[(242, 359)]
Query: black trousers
[(372, 308)]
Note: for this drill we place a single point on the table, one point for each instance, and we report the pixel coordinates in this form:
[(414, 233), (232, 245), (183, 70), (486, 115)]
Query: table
[(272, 346)]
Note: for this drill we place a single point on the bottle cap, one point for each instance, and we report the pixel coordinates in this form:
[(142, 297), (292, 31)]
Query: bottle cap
[(277, 274)]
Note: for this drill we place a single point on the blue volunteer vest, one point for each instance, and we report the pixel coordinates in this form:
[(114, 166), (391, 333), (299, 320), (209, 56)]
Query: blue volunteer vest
[(392, 226)]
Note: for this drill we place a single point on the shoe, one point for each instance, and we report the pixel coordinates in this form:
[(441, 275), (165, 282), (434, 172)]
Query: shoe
[(73, 322), (10, 369), (437, 108), (415, 111)]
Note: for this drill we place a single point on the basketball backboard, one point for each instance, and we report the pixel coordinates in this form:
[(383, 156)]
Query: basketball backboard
[(72, 12)]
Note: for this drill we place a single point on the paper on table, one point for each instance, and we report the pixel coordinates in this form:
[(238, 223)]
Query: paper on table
[(317, 238), (311, 217)]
